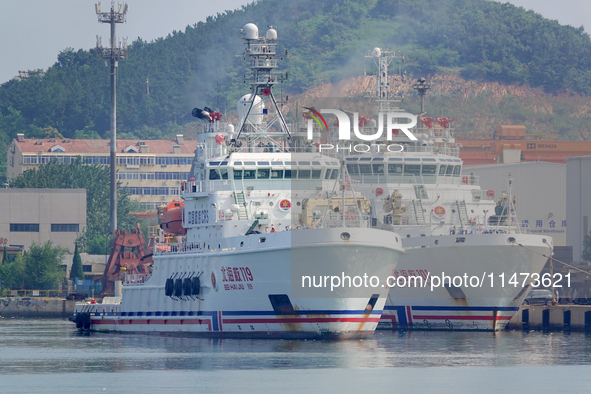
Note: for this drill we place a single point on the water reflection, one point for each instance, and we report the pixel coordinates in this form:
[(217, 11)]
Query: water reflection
[(52, 346)]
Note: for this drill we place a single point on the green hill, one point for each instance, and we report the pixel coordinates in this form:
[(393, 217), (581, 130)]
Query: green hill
[(483, 40)]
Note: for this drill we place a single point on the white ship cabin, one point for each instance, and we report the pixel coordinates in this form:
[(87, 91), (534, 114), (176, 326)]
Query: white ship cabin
[(407, 168), (246, 193), (429, 192)]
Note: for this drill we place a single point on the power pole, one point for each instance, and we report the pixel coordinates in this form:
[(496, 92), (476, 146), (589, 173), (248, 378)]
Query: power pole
[(114, 53)]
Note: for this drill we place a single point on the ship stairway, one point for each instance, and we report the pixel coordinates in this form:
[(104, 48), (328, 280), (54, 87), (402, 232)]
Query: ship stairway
[(463, 214), (418, 210), (240, 200)]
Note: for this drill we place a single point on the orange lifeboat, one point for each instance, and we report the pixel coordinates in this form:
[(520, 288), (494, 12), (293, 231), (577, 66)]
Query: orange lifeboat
[(171, 220)]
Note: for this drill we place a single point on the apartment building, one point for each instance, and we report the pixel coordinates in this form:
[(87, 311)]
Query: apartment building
[(150, 170)]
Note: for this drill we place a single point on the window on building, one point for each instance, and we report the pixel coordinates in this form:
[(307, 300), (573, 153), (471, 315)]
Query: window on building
[(87, 267), (24, 227), (65, 228)]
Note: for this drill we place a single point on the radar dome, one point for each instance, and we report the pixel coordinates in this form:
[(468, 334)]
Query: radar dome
[(250, 31), (256, 112), (271, 34), (372, 123), (230, 129), (376, 52)]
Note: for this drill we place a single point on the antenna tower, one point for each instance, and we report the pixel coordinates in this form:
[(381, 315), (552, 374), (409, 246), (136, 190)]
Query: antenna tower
[(115, 53)]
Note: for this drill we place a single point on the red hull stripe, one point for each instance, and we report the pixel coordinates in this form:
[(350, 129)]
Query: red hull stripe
[(437, 317), (305, 320), (409, 315)]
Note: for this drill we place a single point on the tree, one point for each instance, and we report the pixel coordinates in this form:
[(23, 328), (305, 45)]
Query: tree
[(76, 272), (586, 255), (38, 268), (5, 255)]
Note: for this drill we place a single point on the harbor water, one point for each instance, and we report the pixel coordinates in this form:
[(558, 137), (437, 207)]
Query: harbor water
[(51, 356)]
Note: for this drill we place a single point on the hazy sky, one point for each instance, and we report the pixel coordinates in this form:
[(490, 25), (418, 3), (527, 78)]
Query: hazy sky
[(33, 32)]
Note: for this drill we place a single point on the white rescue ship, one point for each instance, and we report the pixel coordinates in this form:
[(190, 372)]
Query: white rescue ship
[(249, 243), (450, 226)]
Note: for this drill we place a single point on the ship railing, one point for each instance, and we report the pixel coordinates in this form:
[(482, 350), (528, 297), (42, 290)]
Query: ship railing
[(135, 279), (482, 195), (184, 247)]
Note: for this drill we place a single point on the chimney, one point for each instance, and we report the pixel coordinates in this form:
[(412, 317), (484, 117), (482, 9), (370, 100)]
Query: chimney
[(20, 137), (180, 139), (176, 149), (66, 140), (144, 148)]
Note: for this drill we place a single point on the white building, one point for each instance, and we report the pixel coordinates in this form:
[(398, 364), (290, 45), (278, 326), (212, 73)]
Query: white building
[(578, 202), (540, 191)]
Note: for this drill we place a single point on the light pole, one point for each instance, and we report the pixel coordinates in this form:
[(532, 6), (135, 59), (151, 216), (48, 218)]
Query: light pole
[(421, 86), (115, 53)]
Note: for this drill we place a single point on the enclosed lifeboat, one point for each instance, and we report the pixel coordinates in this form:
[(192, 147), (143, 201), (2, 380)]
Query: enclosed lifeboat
[(171, 220)]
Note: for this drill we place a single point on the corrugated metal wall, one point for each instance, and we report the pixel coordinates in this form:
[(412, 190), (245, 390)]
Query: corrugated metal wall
[(578, 202)]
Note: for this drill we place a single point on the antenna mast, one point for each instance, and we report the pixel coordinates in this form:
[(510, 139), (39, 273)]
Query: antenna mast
[(114, 53), (261, 53)]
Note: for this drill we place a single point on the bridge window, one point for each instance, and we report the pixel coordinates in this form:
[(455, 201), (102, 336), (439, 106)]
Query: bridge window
[(353, 169), (237, 174), (365, 169), (249, 174), (442, 169), (449, 171), (378, 169), (429, 169), (263, 173), (316, 174), (457, 170), (304, 174), (395, 169), (412, 169), (214, 175), (276, 174)]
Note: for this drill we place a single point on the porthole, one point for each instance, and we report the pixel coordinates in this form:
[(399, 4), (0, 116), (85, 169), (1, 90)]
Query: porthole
[(345, 236)]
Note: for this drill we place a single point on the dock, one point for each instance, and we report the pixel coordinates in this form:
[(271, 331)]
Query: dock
[(36, 307), (552, 318)]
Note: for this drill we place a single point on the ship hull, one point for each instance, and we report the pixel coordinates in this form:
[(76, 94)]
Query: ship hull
[(249, 289), (490, 257)]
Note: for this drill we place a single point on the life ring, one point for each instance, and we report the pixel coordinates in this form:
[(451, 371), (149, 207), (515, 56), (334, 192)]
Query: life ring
[(490, 193), (465, 179), (266, 92), (379, 191)]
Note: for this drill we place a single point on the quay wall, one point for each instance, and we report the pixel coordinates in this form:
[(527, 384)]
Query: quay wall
[(36, 307), (552, 318)]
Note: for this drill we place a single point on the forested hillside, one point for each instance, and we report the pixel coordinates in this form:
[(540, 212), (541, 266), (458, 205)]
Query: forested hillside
[(481, 40)]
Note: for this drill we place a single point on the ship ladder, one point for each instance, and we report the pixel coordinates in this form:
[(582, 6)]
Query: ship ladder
[(463, 214), (240, 200), (418, 209)]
